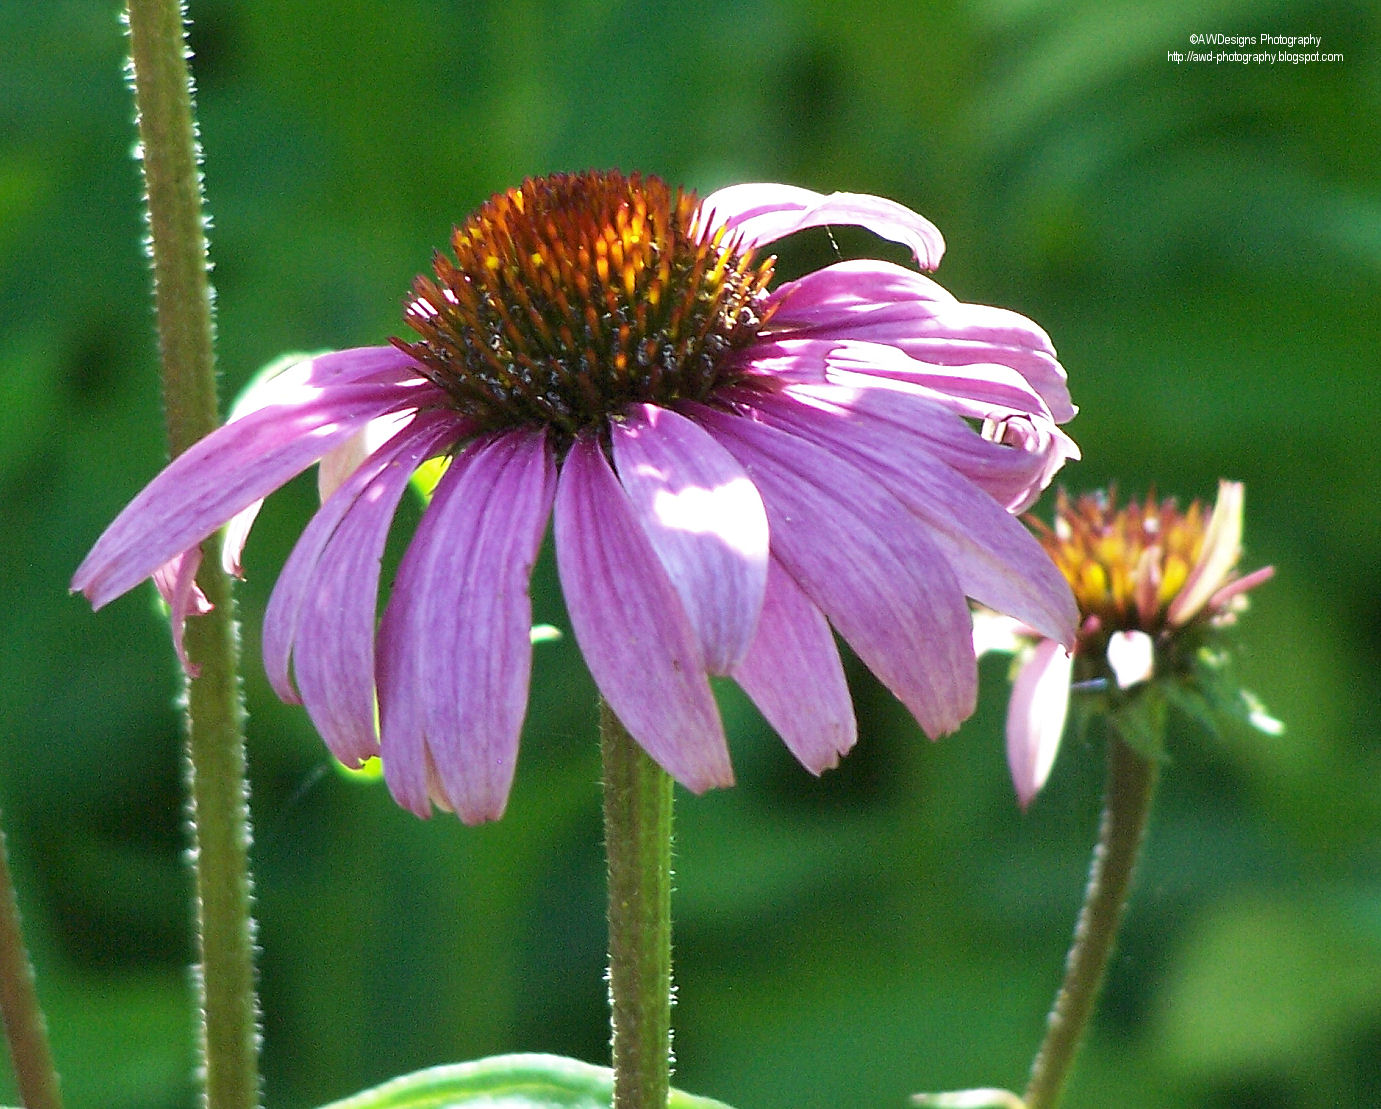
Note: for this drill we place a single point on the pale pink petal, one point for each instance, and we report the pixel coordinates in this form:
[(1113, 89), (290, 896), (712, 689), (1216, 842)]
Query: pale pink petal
[(322, 610), (1045, 445), (793, 674), (455, 652), (762, 213), (223, 474), (1226, 597), (994, 632), (291, 382), (338, 464), (177, 584), (1013, 413), (631, 626), (995, 559), (706, 523), (898, 388), (909, 411), (1036, 717), (874, 301), (1218, 558), (866, 562)]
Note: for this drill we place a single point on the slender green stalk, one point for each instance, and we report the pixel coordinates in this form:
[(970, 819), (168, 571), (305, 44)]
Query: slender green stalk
[(218, 801), (1131, 781), (637, 837), (25, 1031)]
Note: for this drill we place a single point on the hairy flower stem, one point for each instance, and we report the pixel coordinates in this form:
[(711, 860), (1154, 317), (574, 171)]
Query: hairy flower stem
[(637, 837), (218, 801), (1131, 781), (34, 1074)]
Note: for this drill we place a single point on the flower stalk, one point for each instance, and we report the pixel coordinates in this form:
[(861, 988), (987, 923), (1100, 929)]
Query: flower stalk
[(35, 1076), (218, 803), (1131, 780), (637, 834)]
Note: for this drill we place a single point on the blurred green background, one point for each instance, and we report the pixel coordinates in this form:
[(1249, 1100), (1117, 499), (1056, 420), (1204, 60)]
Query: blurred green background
[(1203, 242)]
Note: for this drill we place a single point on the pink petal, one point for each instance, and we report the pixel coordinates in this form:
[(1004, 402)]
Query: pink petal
[(705, 521), (1036, 717), (924, 420), (996, 560), (1013, 412), (322, 610), (454, 646), (225, 473), (793, 674), (632, 629), (292, 382), (879, 302), (866, 562), (763, 213), (177, 584), (338, 464)]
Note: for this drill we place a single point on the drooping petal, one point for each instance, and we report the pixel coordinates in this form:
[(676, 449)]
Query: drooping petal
[(291, 382), (630, 624), (1036, 717), (705, 521), (228, 471), (996, 560), (873, 301), (923, 421), (763, 213), (1039, 440), (793, 674), (177, 584), (973, 391), (321, 614), (866, 562), (455, 652)]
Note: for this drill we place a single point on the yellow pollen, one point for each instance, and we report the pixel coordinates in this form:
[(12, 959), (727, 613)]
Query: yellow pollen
[(1122, 561)]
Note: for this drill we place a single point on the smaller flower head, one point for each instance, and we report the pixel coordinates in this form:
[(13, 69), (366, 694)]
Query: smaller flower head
[(1155, 586)]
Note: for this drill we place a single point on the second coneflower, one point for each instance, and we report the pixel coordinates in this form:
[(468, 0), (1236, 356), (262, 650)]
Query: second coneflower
[(733, 470), (1154, 585)]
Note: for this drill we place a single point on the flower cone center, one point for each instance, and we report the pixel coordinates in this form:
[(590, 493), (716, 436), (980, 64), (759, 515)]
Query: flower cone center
[(1125, 565), (575, 295)]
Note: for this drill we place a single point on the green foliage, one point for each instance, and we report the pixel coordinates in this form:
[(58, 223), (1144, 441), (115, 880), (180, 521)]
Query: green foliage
[(1204, 245), (506, 1082)]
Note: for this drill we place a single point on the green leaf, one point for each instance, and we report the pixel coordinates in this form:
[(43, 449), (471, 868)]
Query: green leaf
[(506, 1082), (969, 1099)]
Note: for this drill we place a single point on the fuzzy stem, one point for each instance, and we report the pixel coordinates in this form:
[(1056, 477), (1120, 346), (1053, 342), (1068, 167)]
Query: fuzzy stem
[(637, 837), (25, 1030), (218, 795), (1131, 781)]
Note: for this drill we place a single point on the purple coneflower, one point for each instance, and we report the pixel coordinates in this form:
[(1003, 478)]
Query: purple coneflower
[(732, 471), (1154, 584)]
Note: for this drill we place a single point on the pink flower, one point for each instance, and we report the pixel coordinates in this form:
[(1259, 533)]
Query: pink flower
[(732, 472), (1153, 585)]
